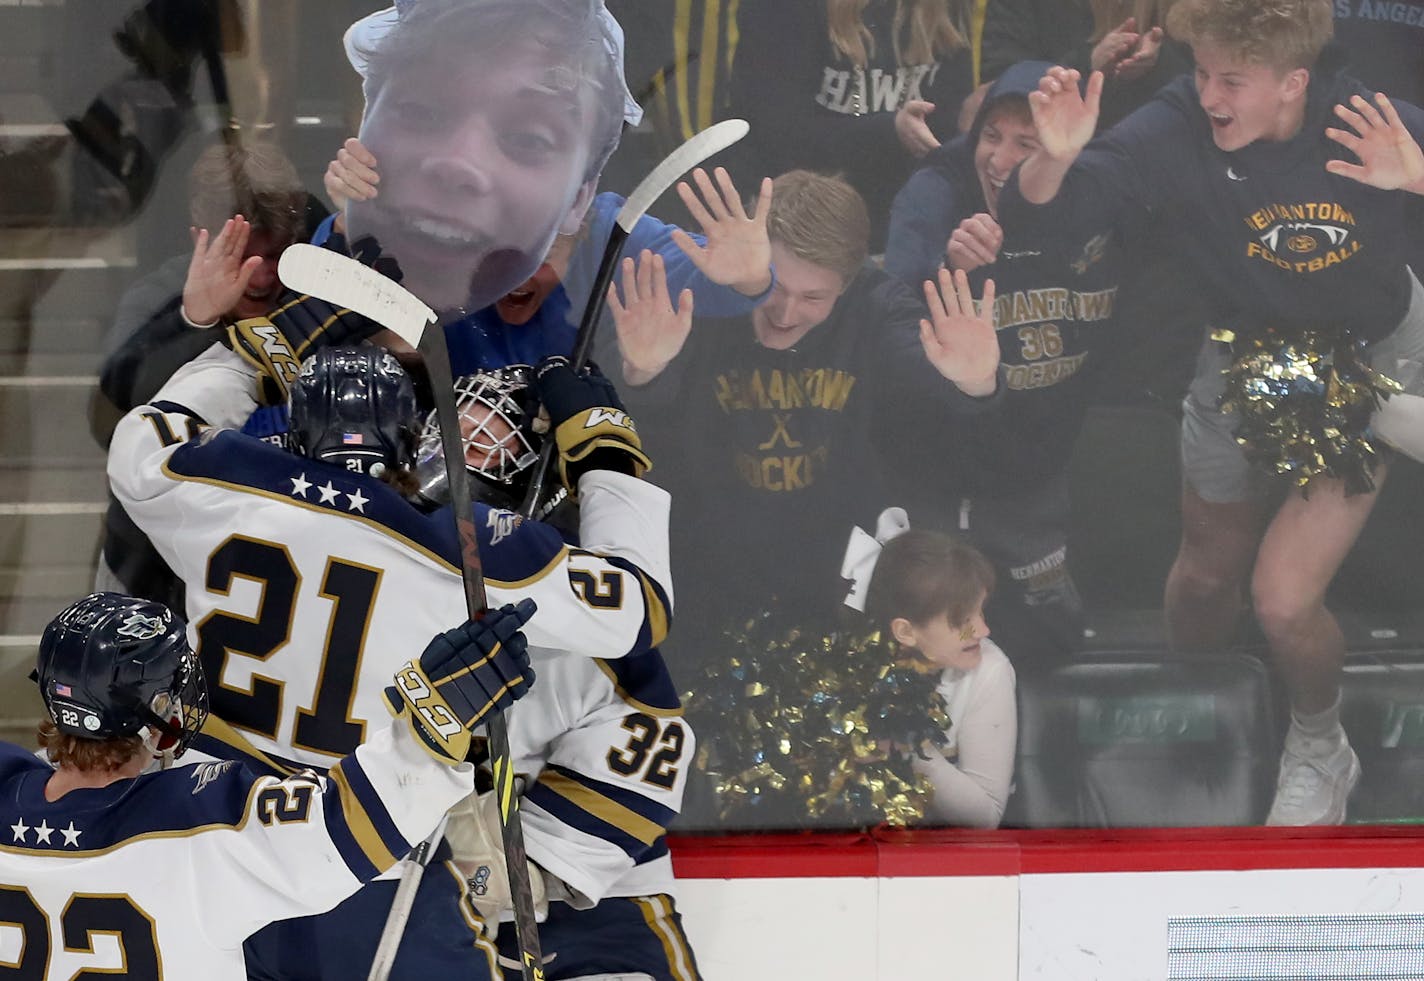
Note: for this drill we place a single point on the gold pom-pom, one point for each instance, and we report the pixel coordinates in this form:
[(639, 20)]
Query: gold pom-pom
[(799, 728), (1304, 400)]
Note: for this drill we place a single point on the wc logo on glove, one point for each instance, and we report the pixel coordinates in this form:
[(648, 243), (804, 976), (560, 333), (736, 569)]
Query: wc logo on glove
[(611, 417)]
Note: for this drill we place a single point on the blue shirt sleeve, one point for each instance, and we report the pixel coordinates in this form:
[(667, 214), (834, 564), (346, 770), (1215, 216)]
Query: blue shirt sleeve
[(323, 231), (649, 233)]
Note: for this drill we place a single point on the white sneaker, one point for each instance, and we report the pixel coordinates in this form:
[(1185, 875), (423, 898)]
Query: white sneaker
[(1317, 775)]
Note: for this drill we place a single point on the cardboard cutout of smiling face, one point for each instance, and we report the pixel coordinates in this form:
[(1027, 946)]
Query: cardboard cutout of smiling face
[(490, 121)]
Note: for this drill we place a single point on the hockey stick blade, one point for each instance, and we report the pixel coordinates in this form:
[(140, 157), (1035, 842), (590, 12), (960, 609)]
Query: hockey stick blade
[(700, 146), (341, 280)]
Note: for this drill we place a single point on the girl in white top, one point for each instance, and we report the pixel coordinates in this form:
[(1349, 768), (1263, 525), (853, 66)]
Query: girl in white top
[(929, 592)]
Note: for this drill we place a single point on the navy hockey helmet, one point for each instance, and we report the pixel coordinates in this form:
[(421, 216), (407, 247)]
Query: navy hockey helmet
[(497, 410), (354, 407), (111, 665)]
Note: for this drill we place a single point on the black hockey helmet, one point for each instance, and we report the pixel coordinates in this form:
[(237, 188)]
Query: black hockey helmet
[(497, 409), (111, 665), (354, 407)]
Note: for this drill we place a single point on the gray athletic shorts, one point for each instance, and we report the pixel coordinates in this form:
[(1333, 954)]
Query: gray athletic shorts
[(1213, 463)]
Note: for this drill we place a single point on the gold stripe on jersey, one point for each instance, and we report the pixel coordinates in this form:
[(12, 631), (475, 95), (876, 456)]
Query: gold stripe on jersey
[(681, 33), (655, 611), (358, 822), (608, 811), (733, 36), (248, 810), (707, 65), (473, 920), (657, 913), (621, 692), (558, 559), (228, 736)]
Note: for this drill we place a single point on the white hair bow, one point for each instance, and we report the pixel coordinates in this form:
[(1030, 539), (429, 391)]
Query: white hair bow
[(365, 36), (863, 551)]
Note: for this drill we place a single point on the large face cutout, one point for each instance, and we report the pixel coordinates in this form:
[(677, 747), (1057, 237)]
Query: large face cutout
[(484, 158)]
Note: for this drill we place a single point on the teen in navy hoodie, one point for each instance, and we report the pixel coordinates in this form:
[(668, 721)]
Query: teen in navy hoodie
[(1283, 183), (1002, 481)]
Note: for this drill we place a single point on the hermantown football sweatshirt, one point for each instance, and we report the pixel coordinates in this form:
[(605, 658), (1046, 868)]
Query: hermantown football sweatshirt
[(1277, 239)]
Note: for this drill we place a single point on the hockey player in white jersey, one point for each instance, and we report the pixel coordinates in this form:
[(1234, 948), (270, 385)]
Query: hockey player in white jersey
[(608, 748), (285, 556), (104, 870)]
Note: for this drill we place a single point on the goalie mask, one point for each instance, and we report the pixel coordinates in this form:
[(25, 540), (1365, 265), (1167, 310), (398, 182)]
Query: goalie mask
[(111, 665), (497, 429), (354, 407)]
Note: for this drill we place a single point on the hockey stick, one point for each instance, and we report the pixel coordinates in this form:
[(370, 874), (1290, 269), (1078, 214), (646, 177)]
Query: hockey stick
[(411, 874), (337, 278), (696, 149)]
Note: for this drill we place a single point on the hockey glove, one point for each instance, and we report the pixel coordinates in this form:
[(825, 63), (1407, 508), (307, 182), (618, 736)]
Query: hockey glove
[(465, 676), (591, 429), (276, 344), (477, 847)]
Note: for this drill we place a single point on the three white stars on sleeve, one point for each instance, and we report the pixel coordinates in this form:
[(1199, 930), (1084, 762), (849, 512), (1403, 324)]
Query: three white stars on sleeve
[(43, 833), (330, 494)]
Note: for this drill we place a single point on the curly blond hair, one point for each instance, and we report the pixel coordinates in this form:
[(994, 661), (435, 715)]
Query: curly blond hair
[(1282, 34), (87, 755)]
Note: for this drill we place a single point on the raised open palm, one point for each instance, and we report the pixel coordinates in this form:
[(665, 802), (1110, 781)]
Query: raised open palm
[(959, 340), (218, 273), (738, 252), (1064, 116), (651, 329), (1389, 155)]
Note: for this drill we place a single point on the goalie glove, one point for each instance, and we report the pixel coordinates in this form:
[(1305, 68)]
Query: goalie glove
[(477, 847), (591, 429), (465, 676)]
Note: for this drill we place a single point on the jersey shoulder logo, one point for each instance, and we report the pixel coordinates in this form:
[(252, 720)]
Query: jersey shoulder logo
[(206, 773), (502, 524)]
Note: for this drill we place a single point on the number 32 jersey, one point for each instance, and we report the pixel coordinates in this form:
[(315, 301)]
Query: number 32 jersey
[(308, 586)]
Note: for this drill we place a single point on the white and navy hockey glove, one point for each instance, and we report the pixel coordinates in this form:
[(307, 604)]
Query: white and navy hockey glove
[(466, 676), (477, 847), (591, 428)]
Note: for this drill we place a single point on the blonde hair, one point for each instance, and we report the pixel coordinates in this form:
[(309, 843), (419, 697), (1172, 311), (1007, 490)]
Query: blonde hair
[(1281, 34), (1107, 14), (87, 755), (929, 25), (821, 219)]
